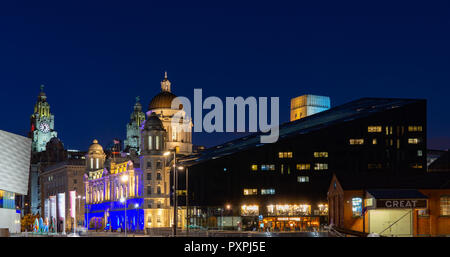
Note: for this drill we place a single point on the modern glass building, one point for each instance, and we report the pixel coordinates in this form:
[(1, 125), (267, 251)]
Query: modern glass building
[(15, 154)]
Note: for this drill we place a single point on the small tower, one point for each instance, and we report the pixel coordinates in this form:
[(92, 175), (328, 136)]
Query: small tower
[(156, 173), (137, 118), (165, 84), (42, 124), (95, 159)]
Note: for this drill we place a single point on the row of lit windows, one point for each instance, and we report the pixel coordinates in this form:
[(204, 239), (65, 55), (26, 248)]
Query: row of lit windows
[(415, 128), (414, 141), (252, 191), (157, 143), (302, 179), (265, 167), (302, 166), (372, 129), (360, 141), (375, 129), (321, 154), (357, 141), (282, 155)]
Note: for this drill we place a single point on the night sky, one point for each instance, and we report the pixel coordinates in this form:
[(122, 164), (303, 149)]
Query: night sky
[(95, 58)]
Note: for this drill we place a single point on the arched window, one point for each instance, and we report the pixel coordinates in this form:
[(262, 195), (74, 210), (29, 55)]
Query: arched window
[(92, 163), (97, 163)]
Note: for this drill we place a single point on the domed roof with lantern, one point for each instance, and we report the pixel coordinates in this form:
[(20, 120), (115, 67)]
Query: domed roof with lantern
[(95, 148), (164, 98)]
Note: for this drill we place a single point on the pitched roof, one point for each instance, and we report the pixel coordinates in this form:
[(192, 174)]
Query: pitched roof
[(397, 194)]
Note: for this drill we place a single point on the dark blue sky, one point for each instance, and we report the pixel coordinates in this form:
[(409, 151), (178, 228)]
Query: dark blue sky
[(95, 57)]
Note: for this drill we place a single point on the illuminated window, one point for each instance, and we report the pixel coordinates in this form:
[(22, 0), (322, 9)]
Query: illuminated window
[(302, 179), (289, 210), (267, 167), (357, 141), (254, 167), (419, 153), (445, 205), (92, 163), (413, 141), (323, 209), (97, 163), (303, 166), (285, 155), (321, 166), (150, 145), (373, 129), (270, 191), (374, 166), (374, 141), (174, 134), (357, 206), (414, 128), (250, 191), (416, 166), (320, 154), (157, 142), (249, 210)]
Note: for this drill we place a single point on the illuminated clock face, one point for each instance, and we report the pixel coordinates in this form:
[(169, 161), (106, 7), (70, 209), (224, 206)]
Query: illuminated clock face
[(44, 127)]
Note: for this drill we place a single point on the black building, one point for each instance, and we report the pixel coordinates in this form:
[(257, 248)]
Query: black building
[(285, 184)]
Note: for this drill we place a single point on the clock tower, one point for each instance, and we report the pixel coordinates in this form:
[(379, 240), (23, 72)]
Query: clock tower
[(42, 124)]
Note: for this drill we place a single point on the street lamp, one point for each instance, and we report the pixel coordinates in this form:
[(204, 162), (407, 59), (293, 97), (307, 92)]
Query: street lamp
[(79, 209), (124, 180), (187, 198), (174, 190)]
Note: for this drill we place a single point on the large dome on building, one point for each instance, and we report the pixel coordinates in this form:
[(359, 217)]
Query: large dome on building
[(162, 100), (95, 148)]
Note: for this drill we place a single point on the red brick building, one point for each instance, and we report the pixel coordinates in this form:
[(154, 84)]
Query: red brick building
[(391, 206)]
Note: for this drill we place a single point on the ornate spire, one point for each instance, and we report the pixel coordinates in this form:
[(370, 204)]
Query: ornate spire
[(165, 84), (137, 105)]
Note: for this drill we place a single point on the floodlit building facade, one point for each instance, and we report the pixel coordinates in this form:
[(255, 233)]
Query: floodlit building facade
[(136, 193), (306, 105), (62, 191)]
